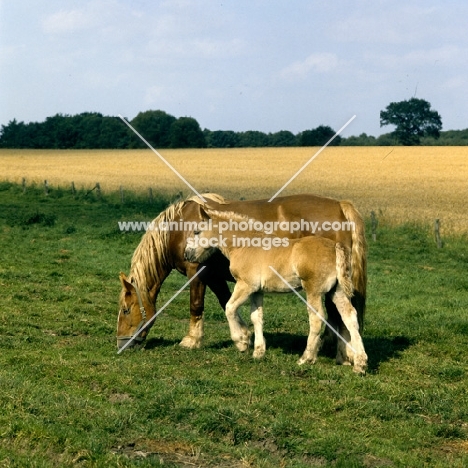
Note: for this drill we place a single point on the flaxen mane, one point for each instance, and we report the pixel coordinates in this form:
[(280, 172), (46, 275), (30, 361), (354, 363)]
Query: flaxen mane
[(150, 258), (225, 215), (212, 196)]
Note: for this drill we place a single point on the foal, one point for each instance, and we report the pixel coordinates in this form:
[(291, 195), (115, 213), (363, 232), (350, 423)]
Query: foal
[(316, 264)]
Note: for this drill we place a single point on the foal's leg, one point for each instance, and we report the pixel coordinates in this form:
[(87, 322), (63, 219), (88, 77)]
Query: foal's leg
[(239, 331), (256, 315), (315, 309), (349, 316)]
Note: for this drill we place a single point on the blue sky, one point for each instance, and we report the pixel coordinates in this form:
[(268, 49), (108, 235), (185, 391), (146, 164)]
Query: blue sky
[(265, 65)]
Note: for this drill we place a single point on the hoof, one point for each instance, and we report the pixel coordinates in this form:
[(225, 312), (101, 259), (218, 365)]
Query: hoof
[(190, 342), (242, 346), (303, 360), (343, 359), (244, 342), (359, 370), (360, 365), (342, 362), (258, 353)]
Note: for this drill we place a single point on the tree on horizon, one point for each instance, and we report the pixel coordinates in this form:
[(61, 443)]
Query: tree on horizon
[(413, 120)]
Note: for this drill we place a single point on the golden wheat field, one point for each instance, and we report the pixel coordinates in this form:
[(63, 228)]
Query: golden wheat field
[(400, 184)]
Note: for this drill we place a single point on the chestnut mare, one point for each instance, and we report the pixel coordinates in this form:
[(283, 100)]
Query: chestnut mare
[(161, 251)]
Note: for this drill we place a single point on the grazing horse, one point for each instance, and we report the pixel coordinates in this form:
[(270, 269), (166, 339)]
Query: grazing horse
[(316, 264), (162, 250)]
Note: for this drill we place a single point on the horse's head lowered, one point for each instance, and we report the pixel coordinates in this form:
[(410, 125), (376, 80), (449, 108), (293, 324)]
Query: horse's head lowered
[(136, 308)]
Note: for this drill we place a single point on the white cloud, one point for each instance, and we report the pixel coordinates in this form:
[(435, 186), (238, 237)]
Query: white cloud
[(404, 24), (68, 21), (92, 14), (215, 48), (445, 55), (318, 63), (11, 52), (205, 48), (455, 83), (154, 94)]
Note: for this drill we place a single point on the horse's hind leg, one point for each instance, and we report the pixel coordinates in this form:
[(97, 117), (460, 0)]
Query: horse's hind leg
[(349, 316), (239, 331), (316, 315), (344, 354), (256, 315)]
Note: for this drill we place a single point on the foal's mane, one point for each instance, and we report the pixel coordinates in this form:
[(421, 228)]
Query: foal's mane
[(150, 260)]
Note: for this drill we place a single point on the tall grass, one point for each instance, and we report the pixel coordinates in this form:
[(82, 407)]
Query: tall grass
[(68, 399)]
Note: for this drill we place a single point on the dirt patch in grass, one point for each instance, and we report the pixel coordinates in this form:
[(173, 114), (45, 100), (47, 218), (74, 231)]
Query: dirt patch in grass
[(455, 446), (181, 454), (119, 397), (370, 461)]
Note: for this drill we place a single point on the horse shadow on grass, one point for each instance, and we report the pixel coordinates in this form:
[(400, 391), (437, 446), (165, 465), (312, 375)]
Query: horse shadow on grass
[(379, 349), (159, 342)]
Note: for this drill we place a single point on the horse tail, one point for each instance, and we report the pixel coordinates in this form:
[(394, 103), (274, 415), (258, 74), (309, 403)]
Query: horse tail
[(358, 258), (343, 269)]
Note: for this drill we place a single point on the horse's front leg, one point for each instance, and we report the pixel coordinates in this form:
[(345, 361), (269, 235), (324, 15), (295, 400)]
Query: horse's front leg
[(256, 315), (194, 338), (239, 331)]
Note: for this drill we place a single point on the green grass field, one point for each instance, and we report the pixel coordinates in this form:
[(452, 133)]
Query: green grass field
[(68, 399)]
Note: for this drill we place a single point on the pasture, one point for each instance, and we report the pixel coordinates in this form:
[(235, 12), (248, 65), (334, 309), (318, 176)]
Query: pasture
[(68, 399)]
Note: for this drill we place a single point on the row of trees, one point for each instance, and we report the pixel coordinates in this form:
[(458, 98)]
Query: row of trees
[(448, 138), (93, 130), (161, 130), (229, 139), (414, 122)]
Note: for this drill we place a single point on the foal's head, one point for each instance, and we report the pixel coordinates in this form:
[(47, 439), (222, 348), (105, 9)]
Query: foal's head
[(214, 233), (201, 246)]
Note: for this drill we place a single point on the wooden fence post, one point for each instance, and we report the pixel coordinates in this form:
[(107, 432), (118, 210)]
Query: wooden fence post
[(121, 195), (150, 195), (46, 188), (73, 190), (23, 183), (437, 234), (98, 190), (374, 226)]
